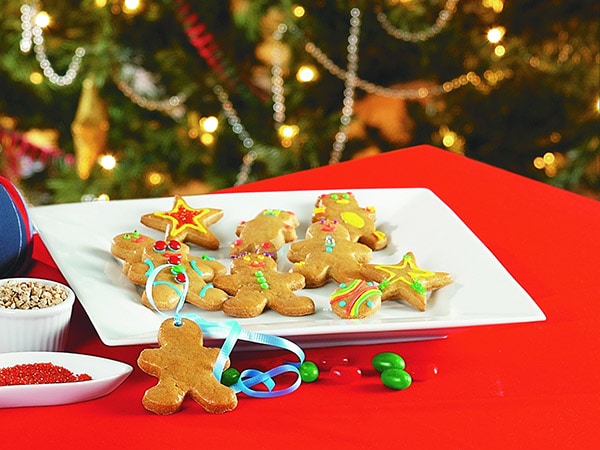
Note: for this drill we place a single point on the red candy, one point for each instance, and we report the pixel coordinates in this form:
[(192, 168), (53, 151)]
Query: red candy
[(345, 374), (421, 371), (328, 361), (174, 244), (160, 246), (175, 258)]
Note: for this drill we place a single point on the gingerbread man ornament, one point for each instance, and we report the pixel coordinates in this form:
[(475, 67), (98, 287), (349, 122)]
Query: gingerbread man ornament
[(255, 284), (184, 367)]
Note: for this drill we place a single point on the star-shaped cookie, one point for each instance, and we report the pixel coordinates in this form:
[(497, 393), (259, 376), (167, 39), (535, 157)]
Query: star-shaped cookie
[(405, 280), (185, 223)]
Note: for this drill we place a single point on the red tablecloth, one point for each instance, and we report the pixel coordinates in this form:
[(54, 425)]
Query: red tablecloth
[(532, 385)]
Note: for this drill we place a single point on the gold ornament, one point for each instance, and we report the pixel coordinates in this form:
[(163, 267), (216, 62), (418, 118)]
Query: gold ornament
[(89, 129)]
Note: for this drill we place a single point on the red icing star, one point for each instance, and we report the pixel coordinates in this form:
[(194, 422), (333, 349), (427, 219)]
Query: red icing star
[(184, 223)]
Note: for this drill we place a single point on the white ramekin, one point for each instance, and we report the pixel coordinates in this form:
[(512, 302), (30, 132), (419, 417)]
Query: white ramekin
[(42, 329)]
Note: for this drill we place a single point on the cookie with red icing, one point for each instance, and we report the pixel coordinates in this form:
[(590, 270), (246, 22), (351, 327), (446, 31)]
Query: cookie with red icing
[(266, 233), (186, 224), (254, 285), (147, 255), (360, 221)]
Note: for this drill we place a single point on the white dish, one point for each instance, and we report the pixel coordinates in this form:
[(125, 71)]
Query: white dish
[(483, 293), (106, 375)]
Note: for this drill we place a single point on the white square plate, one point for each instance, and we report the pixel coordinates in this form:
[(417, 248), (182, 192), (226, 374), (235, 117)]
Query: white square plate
[(79, 235)]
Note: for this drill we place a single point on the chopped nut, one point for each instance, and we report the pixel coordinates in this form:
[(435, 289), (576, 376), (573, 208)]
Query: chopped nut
[(30, 295)]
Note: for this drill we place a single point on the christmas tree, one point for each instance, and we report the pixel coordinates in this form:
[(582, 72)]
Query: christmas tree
[(140, 98)]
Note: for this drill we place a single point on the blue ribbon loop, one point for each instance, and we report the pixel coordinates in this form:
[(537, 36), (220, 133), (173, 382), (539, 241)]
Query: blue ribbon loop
[(234, 332)]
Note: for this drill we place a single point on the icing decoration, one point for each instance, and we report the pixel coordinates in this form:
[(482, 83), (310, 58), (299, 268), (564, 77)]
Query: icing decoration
[(135, 236), (183, 223), (261, 279), (353, 295), (329, 243), (234, 332), (182, 217), (353, 219), (405, 280), (379, 235), (406, 271)]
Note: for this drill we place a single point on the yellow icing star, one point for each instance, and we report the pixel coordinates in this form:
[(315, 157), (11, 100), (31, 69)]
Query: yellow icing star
[(406, 280)]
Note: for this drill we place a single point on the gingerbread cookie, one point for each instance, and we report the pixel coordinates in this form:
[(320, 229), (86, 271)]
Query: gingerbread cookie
[(356, 300), (184, 367), (186, 224), (266, 233), (255, 284), (129, 247), (343, 207), (328, 253), (406, 281), (168, 285)]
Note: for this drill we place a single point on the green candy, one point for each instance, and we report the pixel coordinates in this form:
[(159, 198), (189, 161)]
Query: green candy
[(387, 360), (230, 376), (396, 379), (309, 371)]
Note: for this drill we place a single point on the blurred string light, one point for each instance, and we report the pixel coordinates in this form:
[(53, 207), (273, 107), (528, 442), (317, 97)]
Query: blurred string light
[(306, 74), (287, 133), (550, 163), (298, 11), (154, 178), (444, 16), (451, 140), (107, 162), (496, 5), (495, 34), (33, 23), (131, 6)]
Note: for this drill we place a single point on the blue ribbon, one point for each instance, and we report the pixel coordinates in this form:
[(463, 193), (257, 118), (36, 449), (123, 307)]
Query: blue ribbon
[(249, 377)]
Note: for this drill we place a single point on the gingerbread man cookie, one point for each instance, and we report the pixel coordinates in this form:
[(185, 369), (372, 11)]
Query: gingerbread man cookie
[(168, 285), (184, 367), (255, 284), (266, 233), (406, 281), (343, 207), (328, 253), (186, 224), (129, 247)]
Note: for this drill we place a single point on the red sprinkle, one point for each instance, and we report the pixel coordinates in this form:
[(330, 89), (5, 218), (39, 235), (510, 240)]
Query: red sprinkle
[(38, 373)]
